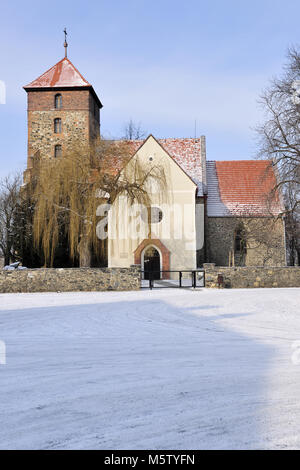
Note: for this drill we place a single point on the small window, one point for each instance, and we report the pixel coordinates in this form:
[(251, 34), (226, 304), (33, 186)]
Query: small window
[(57, 126), (58, 101), (155, 215), (57, 151)]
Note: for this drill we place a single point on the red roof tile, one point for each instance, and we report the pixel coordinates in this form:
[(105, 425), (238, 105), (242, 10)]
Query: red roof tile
[(62, 74), (244, 188)]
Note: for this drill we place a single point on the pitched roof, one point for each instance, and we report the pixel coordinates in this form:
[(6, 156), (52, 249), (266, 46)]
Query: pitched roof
[(61, 75), (186, 153), (241, 188)]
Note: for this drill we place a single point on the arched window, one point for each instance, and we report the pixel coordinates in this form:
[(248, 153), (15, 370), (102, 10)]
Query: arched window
[(58, 101), (57, 151), (57, 126)]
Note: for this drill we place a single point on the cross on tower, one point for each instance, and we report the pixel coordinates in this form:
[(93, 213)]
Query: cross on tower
[(65, 43)]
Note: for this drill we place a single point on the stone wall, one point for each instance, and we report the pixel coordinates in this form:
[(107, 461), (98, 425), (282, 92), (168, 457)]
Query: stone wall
[(71, 279), (245, 277), (264, 237)]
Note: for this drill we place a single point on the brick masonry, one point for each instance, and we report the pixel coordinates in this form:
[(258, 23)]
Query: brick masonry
[(247, 277), (70, 280)]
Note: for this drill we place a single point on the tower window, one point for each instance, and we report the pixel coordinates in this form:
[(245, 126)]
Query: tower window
[(57, 151), (58, 101), (57, 126)]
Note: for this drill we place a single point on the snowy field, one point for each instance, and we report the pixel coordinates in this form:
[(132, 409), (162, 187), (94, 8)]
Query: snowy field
[(167, 369)]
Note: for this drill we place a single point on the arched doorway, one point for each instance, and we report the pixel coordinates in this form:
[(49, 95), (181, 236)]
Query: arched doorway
[(151, 262), (163, 252)]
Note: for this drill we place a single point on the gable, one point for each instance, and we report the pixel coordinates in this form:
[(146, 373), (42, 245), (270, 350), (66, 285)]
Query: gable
[(152, 152), (187, 153)]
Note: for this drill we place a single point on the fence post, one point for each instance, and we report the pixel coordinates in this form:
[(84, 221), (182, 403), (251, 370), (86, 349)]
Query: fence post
[(194, 279), (150, 280)]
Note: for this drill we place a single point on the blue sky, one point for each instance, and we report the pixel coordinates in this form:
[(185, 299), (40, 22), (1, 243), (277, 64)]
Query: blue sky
[(164, 63)]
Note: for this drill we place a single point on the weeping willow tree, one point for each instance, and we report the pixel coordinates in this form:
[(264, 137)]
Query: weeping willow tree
[(66, 192)]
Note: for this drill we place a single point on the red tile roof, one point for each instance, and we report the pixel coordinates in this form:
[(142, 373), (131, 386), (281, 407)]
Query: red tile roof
[(242, 188), (62, 75)]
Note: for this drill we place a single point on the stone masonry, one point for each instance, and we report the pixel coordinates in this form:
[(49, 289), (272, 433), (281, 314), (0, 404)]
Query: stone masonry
[(265, 241), (79, 114), (71, 279), (247, 277)]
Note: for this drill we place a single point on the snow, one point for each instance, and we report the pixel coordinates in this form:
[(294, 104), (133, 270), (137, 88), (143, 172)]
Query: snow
[(161, 369)]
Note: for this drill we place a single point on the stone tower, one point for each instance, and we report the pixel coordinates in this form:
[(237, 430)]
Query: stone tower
[(63, 110)]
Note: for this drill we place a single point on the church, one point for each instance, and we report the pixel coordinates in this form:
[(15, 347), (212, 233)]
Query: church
[(220, 212)]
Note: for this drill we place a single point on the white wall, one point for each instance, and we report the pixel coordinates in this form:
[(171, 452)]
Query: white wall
[(177, 230)]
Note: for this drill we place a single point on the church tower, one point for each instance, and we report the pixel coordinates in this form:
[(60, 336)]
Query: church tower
[(63, 110)]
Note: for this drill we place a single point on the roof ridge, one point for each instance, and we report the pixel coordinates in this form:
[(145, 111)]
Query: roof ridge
[(48, 70)]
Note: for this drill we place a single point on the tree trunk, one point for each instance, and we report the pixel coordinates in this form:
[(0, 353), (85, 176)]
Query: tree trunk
[(6, 259), (84, 253), (298, 256)]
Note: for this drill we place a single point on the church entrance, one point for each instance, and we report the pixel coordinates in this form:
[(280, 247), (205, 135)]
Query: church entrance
[(151, 263)]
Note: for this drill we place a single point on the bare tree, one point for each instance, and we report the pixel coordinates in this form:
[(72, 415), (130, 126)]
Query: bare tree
[(67, 191), (279, 140), (257, 241), (133, 131), (292, 222), (9, 199)]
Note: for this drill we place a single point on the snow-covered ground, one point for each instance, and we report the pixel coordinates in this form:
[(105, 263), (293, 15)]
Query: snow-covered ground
[(161, 369)]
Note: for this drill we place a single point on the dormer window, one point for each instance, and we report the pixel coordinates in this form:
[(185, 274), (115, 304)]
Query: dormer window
[(57, 126), (58, 101), (57, 151)]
